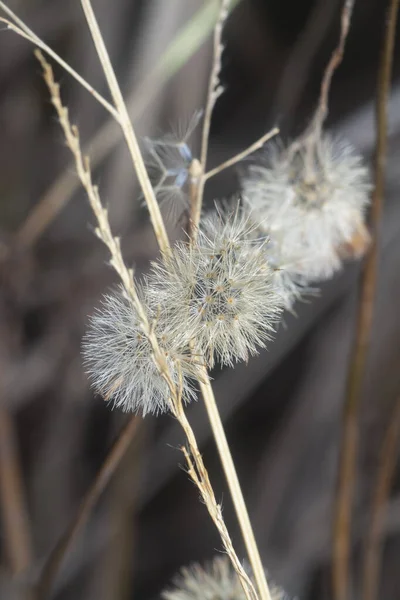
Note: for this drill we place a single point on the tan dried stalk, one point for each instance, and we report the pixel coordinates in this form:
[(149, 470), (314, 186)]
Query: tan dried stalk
[(198, 180), (352, 405), (312, 135), (128, 131), (234, 487), (188, 39), (214, 91), (21, 29), (126, 275)]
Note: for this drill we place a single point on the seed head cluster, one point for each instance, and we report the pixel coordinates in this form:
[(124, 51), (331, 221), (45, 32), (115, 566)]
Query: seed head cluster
[(311, 200), (218, 297), (217, 581)]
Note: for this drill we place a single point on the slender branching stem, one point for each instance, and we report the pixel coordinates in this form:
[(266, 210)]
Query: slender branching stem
[(199, 475), (234, 488), (126, 275), (335, 60), (19, 27), (179, 50), (214, 90), (311, 137), (241, 155), (60, 552), (384, 480), (16, 535), (352, 405), (128, 131)]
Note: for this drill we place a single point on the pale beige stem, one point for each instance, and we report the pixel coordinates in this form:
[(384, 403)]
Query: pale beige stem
[(238, 157), (197, 471), (234, 488), (213, 92), (23, 30), (199, 475), (128, 131)]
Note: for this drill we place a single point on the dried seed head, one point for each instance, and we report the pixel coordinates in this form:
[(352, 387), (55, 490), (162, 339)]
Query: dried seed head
[(217, 581), (218, 291), (120, 360), (310, 200), (169, 161)]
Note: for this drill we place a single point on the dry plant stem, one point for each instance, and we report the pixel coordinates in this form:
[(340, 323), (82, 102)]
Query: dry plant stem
[(109, 134), (126, 275), (336, 59), (349, 443), (311, 137), (238, 157), (127, 128), (234, 487), (22, 30), (212, 94), (386, 471), (58, 555), (16, 534), (199, 475)]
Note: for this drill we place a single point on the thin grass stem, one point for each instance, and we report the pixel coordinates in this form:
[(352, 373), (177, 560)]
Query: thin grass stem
[(352, 405), (127, 128)]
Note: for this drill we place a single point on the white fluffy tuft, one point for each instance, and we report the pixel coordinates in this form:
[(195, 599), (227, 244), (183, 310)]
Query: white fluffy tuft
[(218, 291), (120, 363), (310, 204)]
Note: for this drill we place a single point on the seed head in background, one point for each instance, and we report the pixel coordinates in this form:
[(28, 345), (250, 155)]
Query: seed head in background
[(218, 291), (120, 362), (311, 200), (168, 160), (216, 581)]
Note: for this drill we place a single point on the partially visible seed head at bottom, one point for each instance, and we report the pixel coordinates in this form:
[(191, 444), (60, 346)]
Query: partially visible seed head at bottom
[(120, 363), (216, 581)]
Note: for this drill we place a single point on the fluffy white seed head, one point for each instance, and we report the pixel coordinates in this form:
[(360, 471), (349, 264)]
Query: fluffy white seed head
[(217, 581), (218, 292), (311, 203), (119, 359)]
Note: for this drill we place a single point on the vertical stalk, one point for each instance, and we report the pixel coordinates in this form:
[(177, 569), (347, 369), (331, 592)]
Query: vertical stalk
[(234, 488), (349, 444)]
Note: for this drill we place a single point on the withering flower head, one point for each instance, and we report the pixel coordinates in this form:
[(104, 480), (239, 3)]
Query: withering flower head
[(215, 581), (311, 201), (119, 359), (218, 291)]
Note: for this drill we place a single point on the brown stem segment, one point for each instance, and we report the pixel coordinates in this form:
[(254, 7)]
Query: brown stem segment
[(349, 444), (58, 555), (386, 471)]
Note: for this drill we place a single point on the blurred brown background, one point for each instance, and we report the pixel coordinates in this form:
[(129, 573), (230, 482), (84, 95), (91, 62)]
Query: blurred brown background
[(282, 410)]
